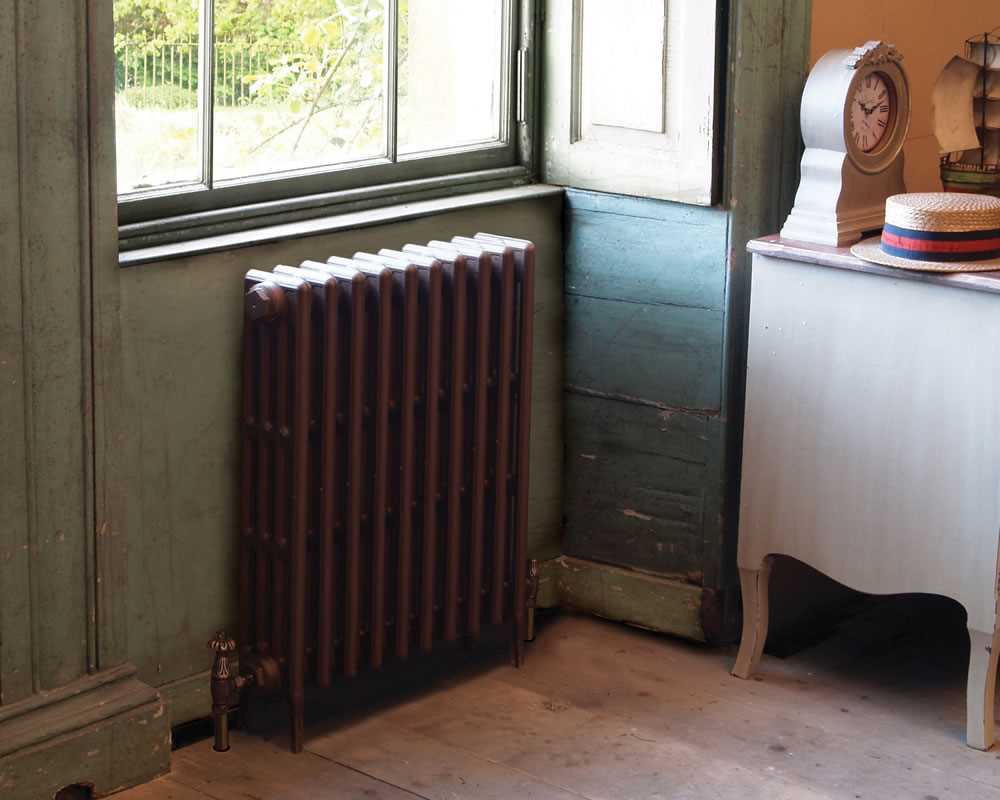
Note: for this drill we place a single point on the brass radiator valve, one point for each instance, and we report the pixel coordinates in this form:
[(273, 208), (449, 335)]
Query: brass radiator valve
[(261, 672)]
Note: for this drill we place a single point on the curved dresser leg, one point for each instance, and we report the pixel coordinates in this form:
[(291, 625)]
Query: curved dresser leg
[(753, 586), (981, 692)]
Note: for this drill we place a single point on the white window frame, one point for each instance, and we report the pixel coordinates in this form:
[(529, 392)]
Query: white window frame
[(674, 159)]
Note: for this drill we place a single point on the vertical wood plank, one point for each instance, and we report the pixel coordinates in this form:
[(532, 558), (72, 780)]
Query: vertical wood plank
[(55, 307), (110, 468), (15, 610), (769, 58)]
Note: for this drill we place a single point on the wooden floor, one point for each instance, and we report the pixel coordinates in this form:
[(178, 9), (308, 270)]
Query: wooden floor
[(604, 711)]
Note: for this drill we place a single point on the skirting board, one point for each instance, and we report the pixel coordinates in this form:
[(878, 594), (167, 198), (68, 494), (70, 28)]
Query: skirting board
[(635, 598), (187, 699), (107, 731)]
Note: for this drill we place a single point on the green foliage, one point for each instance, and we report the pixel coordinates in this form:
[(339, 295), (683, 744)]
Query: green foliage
[(163, 96), (336, 58), (249, 21), (155, 21), (312, 59)]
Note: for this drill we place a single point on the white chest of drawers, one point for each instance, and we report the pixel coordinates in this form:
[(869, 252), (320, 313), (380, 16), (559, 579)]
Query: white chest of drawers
[(871, 445)]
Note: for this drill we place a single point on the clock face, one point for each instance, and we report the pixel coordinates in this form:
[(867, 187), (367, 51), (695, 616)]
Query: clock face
[(873, 106)]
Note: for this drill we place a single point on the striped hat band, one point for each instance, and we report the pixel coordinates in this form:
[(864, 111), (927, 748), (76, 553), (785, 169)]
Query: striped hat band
[(940, 245), (937, 232)]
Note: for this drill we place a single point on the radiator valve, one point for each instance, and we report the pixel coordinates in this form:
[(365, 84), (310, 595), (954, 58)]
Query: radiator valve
[(261, 672), (532, 598), (225, 688)]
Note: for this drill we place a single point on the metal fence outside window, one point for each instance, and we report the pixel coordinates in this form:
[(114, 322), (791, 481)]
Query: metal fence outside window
[(165, 74)]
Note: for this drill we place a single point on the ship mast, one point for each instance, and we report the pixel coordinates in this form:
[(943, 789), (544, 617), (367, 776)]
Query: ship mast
[(982, 150)]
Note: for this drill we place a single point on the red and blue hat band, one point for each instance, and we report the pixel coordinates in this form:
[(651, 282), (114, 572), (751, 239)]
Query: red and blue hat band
[(941, 245)]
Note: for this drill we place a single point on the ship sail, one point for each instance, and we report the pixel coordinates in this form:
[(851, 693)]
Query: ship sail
[(952, 105)]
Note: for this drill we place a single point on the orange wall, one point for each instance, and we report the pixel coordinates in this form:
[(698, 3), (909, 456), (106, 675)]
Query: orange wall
[(928, 33)]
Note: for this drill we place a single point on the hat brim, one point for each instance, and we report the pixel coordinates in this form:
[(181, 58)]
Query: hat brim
[(871, 250)]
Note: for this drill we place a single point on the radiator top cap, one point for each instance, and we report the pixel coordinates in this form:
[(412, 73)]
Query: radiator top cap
[(265, 301)]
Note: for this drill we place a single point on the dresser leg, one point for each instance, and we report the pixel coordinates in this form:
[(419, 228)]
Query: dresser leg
[(981, 692), (753, 585)]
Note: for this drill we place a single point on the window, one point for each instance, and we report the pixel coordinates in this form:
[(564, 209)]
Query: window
[(225, 103), (633, 97)]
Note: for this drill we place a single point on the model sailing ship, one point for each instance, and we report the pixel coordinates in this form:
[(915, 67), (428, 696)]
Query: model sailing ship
[(967, 118)]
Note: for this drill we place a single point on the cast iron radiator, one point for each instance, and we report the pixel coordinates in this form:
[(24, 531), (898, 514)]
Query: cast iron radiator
[(385, 442)]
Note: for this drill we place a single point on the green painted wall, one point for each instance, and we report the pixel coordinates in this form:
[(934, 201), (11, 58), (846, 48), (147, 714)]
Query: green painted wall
[(181, 323)]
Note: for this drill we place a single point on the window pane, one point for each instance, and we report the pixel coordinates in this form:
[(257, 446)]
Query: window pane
[(298, 84), (450, 73), (156, 93)]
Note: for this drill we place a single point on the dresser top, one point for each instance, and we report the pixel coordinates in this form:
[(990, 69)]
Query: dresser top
[(841, 258)]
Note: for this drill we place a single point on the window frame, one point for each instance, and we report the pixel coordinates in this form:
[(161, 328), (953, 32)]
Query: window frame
[(680, 162), (177, 212)]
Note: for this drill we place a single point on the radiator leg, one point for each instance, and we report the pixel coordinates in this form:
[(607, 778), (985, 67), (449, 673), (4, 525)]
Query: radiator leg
[(516, 649), (297, 709)]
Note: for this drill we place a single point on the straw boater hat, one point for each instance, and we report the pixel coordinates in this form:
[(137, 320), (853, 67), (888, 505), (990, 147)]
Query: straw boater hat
[(937, 232)]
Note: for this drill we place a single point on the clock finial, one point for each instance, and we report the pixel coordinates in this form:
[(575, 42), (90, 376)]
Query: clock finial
[(873, 53)]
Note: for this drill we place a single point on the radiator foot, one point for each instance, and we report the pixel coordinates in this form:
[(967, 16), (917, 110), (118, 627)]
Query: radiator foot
[(297, 727)]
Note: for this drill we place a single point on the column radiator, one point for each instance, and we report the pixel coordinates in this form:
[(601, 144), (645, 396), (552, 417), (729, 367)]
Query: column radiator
[(385, 447)]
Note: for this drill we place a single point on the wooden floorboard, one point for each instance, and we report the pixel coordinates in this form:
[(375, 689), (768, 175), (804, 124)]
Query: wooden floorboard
[(255, 769), (604, 711), (166, 788)]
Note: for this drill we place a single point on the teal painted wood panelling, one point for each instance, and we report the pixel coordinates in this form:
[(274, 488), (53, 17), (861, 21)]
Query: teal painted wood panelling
[(627, 248), (645, 284), (669, 355), (656, 294), (645, 315), (637, 481)]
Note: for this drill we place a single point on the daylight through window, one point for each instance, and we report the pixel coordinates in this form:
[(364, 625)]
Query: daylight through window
[(231, 92)]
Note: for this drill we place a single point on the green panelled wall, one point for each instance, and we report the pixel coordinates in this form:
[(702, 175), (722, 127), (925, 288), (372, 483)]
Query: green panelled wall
[(71, 709), (181, 323)]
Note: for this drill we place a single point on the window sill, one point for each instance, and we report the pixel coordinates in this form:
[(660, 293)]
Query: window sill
[(332, 224), (169, 239)]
